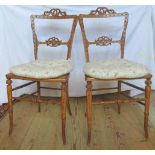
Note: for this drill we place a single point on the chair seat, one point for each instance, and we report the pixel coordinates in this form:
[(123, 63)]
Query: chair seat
[(113, 69), (43, 69)]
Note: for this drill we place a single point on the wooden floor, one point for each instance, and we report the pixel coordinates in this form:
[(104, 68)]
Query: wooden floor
[(33, 130)]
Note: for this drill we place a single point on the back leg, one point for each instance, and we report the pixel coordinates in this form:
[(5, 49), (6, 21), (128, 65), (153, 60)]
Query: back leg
[(68, 104), (38, 95), (119, 95)]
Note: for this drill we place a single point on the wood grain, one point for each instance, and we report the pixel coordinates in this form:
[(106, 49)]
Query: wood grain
[(33, 130)]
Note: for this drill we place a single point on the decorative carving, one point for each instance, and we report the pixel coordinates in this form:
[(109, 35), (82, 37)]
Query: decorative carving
[(53, 42), (148, 82), (9, 81), (55, 12), (89, 86), (103, 41), (102, 11)]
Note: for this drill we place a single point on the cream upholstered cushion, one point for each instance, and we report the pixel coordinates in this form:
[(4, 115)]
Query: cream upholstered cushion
[(43, 69), (117, 68)]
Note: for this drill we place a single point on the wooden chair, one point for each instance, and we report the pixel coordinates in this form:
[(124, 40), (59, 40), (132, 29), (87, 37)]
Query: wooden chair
[(120, 69), (45, 71)]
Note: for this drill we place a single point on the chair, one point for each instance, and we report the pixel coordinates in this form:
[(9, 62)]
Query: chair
[(116, 70), (45, 71)]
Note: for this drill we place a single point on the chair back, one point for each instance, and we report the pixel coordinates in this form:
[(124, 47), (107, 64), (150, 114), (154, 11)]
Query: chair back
[(53, 14), (103, 12)]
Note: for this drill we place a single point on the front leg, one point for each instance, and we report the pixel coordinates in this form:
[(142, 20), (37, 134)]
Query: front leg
[(10, 106), (89, 109), (147, 105), (63, 110)]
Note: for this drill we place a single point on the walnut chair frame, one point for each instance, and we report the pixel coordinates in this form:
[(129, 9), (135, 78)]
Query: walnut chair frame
[(53, 42), (103, 12)]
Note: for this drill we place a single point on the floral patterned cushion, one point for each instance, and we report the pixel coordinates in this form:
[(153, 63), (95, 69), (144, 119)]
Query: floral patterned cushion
[(118, 68), (43, 69)]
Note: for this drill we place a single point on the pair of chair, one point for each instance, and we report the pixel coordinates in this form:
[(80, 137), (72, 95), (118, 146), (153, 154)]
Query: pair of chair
[(58, 70)]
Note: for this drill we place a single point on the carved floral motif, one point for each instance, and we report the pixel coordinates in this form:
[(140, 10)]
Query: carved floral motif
[(102, 11), (55, 12), (53, 42), (103, 41)]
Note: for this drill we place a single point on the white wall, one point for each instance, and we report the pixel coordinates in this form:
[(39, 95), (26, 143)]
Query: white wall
[(16, 45)]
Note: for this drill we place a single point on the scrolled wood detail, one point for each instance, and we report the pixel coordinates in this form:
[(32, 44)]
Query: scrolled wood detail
[(102, 11), (148, 82), (55, 12), (8, 81), (103, 41), (35, 40), (89, 86), (53, 42)]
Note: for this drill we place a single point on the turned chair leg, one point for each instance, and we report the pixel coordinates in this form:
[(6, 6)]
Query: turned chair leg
[(147, 105), (89, 109), (68, 104), (38, 95), (10, 106), (119, 95), (63, 110)]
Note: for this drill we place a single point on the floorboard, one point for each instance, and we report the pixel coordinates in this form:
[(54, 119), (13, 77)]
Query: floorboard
[(42, 130)]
